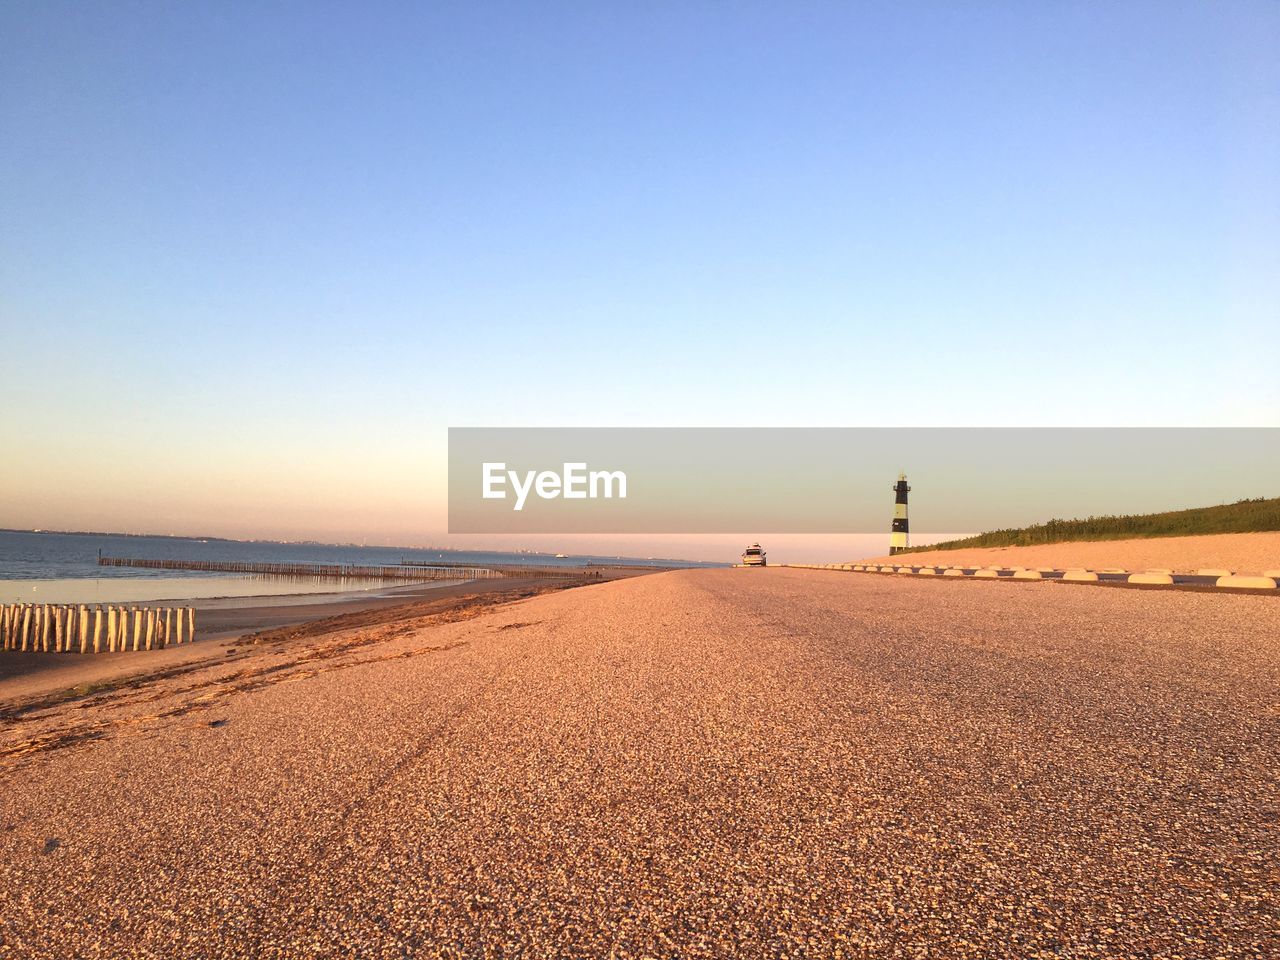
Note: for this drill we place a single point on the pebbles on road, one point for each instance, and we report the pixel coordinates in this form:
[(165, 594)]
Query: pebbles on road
[(698, 763)]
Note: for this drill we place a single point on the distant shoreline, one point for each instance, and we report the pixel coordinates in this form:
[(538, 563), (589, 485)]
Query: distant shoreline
[(148, 536)]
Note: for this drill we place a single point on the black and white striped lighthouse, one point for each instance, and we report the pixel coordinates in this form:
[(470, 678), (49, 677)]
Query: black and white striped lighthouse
[(898, 540)]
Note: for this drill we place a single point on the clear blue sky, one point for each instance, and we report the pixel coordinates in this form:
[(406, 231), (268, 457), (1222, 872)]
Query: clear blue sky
[(298, 239)]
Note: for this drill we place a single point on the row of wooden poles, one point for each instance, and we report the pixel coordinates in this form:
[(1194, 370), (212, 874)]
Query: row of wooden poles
[(336, 570), (403, 571), (53, 628), (506, 570)]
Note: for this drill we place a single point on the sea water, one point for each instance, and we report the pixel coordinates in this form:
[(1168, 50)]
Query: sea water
[(43, 567)]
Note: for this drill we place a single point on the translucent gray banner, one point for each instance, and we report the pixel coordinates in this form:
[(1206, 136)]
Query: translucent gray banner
[(825, 480)]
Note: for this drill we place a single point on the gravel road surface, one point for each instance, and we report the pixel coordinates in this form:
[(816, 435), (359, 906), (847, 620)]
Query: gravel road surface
[(708, 763)]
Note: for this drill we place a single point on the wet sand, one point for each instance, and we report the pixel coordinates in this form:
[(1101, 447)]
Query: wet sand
[(1249, 553)]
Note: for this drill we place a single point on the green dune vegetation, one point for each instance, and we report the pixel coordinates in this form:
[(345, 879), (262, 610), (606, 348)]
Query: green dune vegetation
[(1243, 516)]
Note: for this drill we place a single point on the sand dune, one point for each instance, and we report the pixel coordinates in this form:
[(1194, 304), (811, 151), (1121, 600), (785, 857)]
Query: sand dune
[(1238, 552)]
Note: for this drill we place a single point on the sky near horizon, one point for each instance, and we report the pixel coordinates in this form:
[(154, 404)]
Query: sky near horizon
[(255, 259)]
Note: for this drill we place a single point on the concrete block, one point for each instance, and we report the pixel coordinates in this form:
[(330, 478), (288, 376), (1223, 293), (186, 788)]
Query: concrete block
[(1027, 575), (953, 572), (1080, 576), (1150, 578), (1247, 583), (987, 573)]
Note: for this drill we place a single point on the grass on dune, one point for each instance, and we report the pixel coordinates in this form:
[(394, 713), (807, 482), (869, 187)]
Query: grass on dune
[(1243, 516)]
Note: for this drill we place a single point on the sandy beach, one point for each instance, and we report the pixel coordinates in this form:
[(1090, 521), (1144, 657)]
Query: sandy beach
[(222, 624), (225, 621), (697, 763), (1250, 553)]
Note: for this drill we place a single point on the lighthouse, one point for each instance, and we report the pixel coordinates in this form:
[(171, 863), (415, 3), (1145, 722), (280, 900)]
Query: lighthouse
[(898, 541)]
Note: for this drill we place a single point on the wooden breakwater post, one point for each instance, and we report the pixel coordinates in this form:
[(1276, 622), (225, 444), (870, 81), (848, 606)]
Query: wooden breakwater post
[(79, 628)]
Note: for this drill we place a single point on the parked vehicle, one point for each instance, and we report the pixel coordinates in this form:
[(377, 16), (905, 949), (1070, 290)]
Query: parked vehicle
[(753, 556)]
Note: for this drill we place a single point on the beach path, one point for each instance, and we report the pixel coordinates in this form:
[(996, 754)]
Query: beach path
[(762, 762)]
